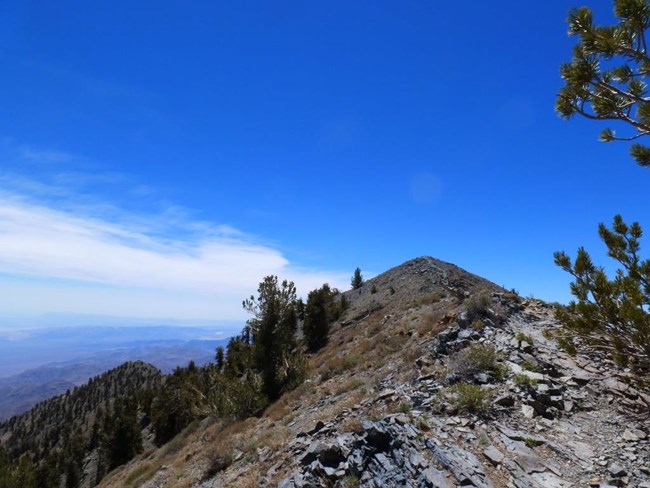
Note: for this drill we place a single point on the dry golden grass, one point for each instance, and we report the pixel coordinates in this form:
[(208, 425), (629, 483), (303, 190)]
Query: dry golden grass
[(428, 299), (278, 409), (351, 424), (373, 325), (275, 437), (249, 479), (140, 474), (340, 364), (349, 385)]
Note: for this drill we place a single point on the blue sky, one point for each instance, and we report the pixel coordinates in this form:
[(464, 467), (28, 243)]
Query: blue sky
[(157, 159)]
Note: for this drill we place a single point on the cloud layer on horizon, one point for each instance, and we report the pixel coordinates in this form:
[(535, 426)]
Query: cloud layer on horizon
[(62, 260)]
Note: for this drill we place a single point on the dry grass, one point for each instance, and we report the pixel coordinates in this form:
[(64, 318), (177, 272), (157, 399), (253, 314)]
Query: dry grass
[(278, 409), (351, 424), (272, 438), (218, 460), (349, 385), (249, 479), (374, 327), (428, 299), (430, 322), (340, 364)]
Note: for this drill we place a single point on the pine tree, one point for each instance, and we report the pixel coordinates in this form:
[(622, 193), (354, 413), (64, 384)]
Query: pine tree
[(238, 357), (318, 315), (124, 436), (611, 315), (606, 79), (273, 328), (357, 279), (219, 358)]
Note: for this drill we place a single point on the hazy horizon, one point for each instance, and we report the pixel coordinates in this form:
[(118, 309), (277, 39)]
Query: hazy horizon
[(27, 349)]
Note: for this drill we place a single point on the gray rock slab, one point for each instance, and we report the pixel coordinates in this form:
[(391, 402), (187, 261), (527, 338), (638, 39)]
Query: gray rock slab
[(549, 480), (434, 478), (493, 455), (531, 463)]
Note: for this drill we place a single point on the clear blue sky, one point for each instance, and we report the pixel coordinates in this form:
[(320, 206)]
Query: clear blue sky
[(158, 158)]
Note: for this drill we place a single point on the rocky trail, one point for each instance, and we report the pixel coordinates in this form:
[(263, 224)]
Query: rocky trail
[(575, 423)]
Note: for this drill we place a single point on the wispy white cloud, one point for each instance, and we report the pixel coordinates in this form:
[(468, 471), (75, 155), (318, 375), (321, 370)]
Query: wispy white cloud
[(68, 261)]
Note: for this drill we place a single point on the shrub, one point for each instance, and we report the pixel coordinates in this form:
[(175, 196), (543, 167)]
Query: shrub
[(532, 443), (217, 462), (478, 325), (471, 398), (405, 407), (521, 337), (339, 365), (478, 306), (524, 382), (530, 366), (477, 358), (351, 481)]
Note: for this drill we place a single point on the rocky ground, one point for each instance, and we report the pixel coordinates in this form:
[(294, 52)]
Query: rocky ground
[(578, 423)]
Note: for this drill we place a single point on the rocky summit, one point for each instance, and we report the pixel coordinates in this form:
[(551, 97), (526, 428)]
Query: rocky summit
[(433, 377)]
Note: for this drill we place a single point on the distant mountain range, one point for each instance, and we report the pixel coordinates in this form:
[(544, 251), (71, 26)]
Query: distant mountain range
[(90, 352)]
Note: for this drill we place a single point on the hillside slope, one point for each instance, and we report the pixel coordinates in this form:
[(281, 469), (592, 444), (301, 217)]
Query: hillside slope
[(59, 436), (382, 406)]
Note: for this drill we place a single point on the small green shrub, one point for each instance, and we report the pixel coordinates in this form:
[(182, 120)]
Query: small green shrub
[(140, 474), (339, 365), (174, 446), (532, 443), (530, 366), (405, 407), (471, 398), (478, 325), (567, 345), (351, 481), (478, 306), (521, 337), (500, 372), (524, 381), (373, 289), (423, 425), (477, 358), (512, 295)]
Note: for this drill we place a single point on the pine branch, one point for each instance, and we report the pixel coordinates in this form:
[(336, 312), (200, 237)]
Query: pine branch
[(631, 138)]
